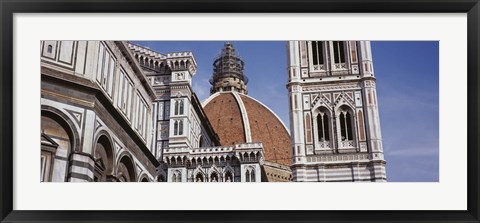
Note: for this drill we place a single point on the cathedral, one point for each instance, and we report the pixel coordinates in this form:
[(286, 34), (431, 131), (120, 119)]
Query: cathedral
[(116, 111)]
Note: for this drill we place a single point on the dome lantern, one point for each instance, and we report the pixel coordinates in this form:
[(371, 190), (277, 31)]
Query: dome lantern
[(228, 72)]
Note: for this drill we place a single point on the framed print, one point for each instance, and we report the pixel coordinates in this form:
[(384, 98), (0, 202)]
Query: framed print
[(249, 112)]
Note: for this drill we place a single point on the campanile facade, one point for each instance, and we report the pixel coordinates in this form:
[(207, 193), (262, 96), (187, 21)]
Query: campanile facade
[(334, 119)]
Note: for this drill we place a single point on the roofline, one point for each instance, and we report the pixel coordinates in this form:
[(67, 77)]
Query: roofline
[(146, 48), (122, 45), (204, 103), (210, 98)]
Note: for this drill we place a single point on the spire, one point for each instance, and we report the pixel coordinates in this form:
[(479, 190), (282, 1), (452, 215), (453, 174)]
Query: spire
[(228, 72)]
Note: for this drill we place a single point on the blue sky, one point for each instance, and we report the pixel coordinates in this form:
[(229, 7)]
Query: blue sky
[(407, 88)]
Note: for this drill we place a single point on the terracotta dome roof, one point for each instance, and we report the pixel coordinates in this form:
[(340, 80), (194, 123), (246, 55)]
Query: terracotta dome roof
[(238, 118)]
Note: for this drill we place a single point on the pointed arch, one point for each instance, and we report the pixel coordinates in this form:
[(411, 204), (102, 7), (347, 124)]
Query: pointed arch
[(180, 127), (176, 107), (174, 177), (346, 129), (179, 176), (346, 122), (214, 177), (252, 175), (322, 127), (180, 112), (228, 174), (175, 127), (198, 175)]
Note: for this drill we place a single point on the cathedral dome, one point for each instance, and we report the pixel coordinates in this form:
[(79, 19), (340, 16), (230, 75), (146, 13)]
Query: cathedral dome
[(239, 118)]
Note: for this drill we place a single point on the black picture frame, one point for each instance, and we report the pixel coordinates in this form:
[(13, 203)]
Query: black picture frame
[(9, 7)]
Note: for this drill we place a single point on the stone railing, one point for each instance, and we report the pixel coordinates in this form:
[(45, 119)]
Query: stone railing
[(339, 66), (338, 158), (347, 144), (238, 150), (252, 145), (217, 149), (324, 145), (179, 54), (318, 68)]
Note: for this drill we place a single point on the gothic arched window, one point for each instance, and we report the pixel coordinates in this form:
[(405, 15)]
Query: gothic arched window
[(339, 51), (175, 128), (252, 176), (179, 177), (199, 177), (214, 177), (317, 52), (174, 178), (322, 126), (180, 127), (346, 129), (229, 177), (176, 107), (181, 108), (161, 178), (247, 176)]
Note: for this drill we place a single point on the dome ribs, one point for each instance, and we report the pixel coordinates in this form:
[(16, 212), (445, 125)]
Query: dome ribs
[(265, 126), (276, 141), (228, 125)]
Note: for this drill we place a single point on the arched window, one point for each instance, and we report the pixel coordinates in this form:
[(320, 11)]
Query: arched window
[(179, 177), (175, 128), (322, 126), (49, 49), (199, 177), (180, 127), (174, 177), (228, 177), (317, 52), (247, 176), (126, 170), (181, 108), (161, 178), (176, 107), (214, 177), (339, 51), (346, 129), (103, 159), (252, 176)]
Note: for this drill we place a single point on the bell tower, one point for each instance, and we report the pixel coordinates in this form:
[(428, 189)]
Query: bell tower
[(334, 120), (228, 72)]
